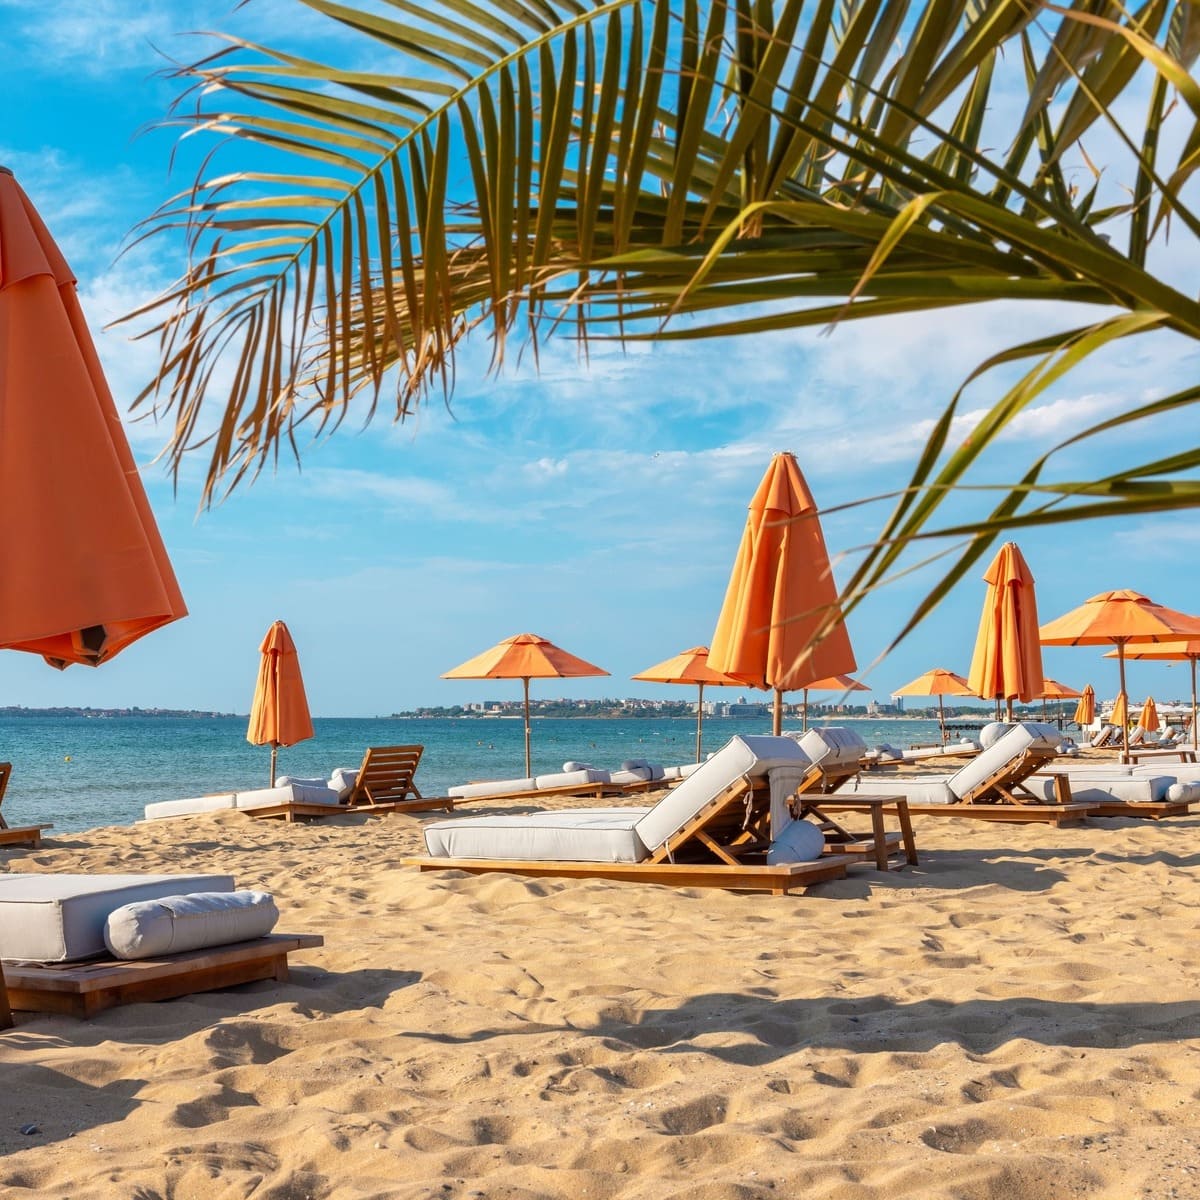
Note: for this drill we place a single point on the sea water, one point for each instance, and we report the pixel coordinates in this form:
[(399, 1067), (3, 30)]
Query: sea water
[(82, 772)]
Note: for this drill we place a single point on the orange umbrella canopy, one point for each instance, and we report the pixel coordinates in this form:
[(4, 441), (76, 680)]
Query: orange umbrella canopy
[(279, 714), (1120, 711), (689, 666), (1053, 690), (1119, 617), (781, 626), (936, 682), (1007, 663), (85, 571), (524, 656), (1085, 710), (1148, 719)]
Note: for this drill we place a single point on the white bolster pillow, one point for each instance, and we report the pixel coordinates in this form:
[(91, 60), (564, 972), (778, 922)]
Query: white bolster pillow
[(174, 924)]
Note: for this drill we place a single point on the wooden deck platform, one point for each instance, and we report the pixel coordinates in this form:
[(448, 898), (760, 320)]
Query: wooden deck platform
[(83, 989), (778, 880)]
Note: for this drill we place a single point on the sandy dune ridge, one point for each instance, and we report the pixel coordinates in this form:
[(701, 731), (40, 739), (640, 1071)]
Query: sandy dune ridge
[(1017, 1017)]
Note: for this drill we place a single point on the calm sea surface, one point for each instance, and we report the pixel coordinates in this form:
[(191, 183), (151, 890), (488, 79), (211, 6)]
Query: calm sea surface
[(81, 772)]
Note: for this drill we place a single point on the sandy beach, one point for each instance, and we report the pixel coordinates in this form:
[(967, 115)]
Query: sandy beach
[(1016, 1017)]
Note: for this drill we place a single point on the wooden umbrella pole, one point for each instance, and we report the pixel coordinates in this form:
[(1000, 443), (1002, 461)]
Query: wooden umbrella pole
[(1195, 744), (699, 720), (528, 758), (274, 755), (1125, 723), (942, 720), (804, 713), (1008, 709), (777, 718)]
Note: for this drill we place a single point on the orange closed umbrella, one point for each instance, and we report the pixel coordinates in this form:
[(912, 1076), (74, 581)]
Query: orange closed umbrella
[(1007, 663), (1119, 618), (689, 666), (1085, 710), (937, 682), (1148, 718), (836, 683), (279, 714), (1185, 650), (524, 656), (85, 571), (781, 626), (1120, 713)]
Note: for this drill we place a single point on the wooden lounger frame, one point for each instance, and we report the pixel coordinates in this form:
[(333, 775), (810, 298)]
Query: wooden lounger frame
[(733, 828), (22, 835), (83, 989), (1006, 814)]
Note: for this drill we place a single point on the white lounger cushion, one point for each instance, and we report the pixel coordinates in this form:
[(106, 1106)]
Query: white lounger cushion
[(295, 792), (189, 808), (801, 841), (58, 918), (564, 835), (834, 748), (1126, 789), (492, 787), (175, 924), (740, 756), (1028, 735), (918, 789), (571, 778)]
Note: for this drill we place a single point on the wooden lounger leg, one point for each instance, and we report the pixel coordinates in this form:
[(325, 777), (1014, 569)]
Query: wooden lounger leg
[(906, 833), (6, 1019), (881, 849)]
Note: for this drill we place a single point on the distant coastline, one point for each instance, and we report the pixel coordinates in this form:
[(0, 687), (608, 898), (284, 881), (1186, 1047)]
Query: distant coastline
[(14, 710)]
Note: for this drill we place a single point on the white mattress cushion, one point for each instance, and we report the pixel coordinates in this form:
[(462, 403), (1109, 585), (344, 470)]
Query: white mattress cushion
[(342, 781), (285, 780), (689, 769), (491, 787), (1186, 790), (1028, 735), (297, 793), (750, 756), (917, 789), (1184, 772), (175, 924), (58, 918), (577, 778), (1091, 789), (565, 835), (188, 808), (632, 775)]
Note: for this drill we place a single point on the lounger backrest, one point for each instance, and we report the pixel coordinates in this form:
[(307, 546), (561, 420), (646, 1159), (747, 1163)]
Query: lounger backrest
[(835, 749), (386, 775), (1039, 739), (740, 757)]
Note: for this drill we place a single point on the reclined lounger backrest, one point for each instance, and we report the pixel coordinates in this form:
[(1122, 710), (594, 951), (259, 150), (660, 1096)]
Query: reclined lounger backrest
[(1034, 739), (741, 757), (837, 751)]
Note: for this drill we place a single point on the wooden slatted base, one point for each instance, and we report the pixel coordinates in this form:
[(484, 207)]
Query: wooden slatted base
[(1147, 811), (1011, 814), (24, 835), (82, 989), (778, 880)]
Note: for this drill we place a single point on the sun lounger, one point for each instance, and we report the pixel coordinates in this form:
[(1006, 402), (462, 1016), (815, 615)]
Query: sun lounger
[(30, 835), (992, 786), (724, 826), (56, 931), (576, 779), (1149, 797)]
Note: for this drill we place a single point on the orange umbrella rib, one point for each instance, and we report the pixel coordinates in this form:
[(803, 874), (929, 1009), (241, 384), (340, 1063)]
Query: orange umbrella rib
[(86, 572)]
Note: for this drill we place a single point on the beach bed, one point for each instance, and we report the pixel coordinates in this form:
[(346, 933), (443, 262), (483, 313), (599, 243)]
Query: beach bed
[(993, 786), (1120, 790), (58, 938), (728, 825), (23, 835)]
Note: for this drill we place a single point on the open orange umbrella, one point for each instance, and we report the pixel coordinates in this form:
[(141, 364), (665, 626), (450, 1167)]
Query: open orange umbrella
[(1186, 650), (1148, 717), (689, 666), (937, 682), (1085, 710), (85, 571), (524, 656), (1119, 618), (1053, 690), (279, 714), (836, 683), (781, 626), (1007, 663)]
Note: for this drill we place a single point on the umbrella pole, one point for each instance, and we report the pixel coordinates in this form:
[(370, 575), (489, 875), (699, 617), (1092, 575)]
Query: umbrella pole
[(274, 754), (699, 720), (1195, 745), (528, 760), (1125, 723), (804, 713), (777, 716), (1008, 709), (942, 720)]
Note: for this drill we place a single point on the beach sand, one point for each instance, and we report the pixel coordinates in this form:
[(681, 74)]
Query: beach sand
[(1017, 1017)]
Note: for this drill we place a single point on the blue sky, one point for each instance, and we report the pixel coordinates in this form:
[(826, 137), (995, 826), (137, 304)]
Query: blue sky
[(598, 503)]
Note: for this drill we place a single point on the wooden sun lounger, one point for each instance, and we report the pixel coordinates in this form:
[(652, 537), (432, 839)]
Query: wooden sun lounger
[(733, 828), (21, 835), (1006, 814), (84, 989)]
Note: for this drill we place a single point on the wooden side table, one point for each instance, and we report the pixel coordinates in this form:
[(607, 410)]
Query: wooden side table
[(820, 807)]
